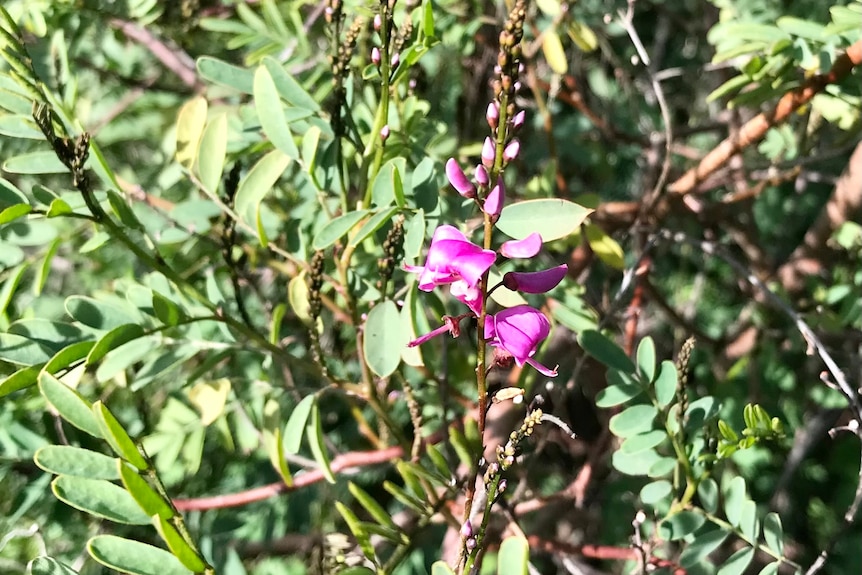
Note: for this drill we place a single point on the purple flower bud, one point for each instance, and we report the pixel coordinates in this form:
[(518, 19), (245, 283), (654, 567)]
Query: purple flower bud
[(494, 200), (492, 114), (470, 544), (395, 60), (535, 282), (467, 529), (489, 153), (525, 248), (458, 180), (517, 86), (375, 56), (378, 22), (512, 150), (384, 132), (482, 176), (518, 120), (521, 68), (501, 487)]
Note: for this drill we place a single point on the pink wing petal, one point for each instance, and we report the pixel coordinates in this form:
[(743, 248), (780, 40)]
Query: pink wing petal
[(526, 248), (535, 282)]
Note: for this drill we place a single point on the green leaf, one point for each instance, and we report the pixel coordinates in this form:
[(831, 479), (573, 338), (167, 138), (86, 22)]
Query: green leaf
[(553, 218), (387, 186), (288, 88), (633, 420), (441, 568), (770, 568), (374, 509), (270, 113), (605, 247), (707, 491), (190, 126), (361, 535), (69, 404), (406, 499), (734, 500), (13, 213), (748, 523), (666, 383), (639, 463), (371, 225), (802, 28), (583, 36), (296, 424), (314, 433), (98, 314), (117, 437), (35, 163), (168, 312), (661, 467), (773, 533), (10, 195), (133, 557), (49, 566), (257, 183), (605, 351), (337, 228), (114, 339), (99, 498), (54, 335), (384, 338), (702, 545), (513, 556), (211, 153), (554, 52), (43, 270), (122, 210), (21, 379), (224, 74), (737, 563), (67, 460), (20, 350), (646, 359), (10, 284), (643, 441), (680, 524), (20, 127), (178, 546), (618, 394), (652, 493)]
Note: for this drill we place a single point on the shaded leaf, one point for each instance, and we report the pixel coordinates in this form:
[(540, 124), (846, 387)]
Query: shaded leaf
[(384, 338), (605, 351), (69, 404), (68, 460), (99, 498), (133, 557)]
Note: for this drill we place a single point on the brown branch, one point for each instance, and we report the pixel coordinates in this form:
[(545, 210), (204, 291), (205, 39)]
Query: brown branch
[(606, 552), (755, 129), (339, 464), (174, 59)]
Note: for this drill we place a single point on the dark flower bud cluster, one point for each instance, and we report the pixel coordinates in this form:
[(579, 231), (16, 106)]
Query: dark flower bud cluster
[(315, 283), (506, 453), (505, 85), (332, 12), (392, 247), (341, 60)]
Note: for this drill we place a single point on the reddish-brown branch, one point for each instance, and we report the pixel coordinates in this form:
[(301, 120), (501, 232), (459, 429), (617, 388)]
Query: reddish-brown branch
[(605, 552), (755, 129), (339, 464), (173, 59)]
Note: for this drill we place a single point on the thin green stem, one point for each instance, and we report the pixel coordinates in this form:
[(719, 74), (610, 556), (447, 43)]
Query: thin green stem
[(375, 142)]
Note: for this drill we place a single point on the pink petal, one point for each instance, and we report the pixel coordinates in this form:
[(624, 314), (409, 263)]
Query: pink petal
[(526, 248), (482, 177), (471, 261), (496, 197), (541, 368), (520, 329), (458, 180), (468, 295), (535, 282)]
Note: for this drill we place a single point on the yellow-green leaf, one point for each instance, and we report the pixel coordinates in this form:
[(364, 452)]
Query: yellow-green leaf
[(605, 247), (210, 398), (552, 46), (190, 126)]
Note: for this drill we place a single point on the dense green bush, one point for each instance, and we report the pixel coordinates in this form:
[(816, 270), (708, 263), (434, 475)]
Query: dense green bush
[(259, 313)]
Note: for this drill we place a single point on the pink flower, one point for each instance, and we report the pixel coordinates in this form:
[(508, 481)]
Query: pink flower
[(535, 282), (451, 257), (375, 56), (492, 114), (518, 120), (494, 200), (526, 248), (458, 180), (518, 331)]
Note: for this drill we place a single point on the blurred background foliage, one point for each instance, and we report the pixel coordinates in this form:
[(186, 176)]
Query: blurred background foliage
[(206, 403)]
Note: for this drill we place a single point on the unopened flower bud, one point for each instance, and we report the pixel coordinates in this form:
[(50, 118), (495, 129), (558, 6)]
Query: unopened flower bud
[(458, 180), (395, 60), (378, 22), (535, 282), (470, 544), (494, 201), (482, 176), (492, 114), (501, 487), (489, 153), (512, 150), (384, 132), (517, 86), (518, 120), (375, 56), (467, 529)]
